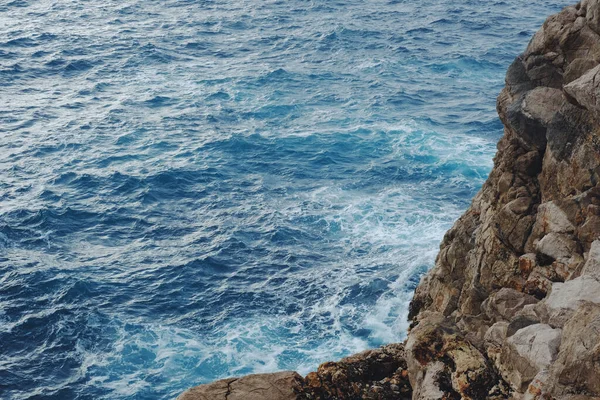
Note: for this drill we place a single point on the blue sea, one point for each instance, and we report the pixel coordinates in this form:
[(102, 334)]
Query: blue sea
[(194, 189)]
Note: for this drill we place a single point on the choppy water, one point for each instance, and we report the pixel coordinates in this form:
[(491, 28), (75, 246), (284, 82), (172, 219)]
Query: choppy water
[(195, 189)]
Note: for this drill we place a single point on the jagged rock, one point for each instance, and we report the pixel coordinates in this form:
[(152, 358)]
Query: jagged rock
[(527, 352), (577, 68), (557, 246), (537, 387), (539, 282), (585, 90), (565, 298), (592, 264), (276, 386), (464, 373), (529, 228), (506, 303), (551, 218), (494, 340), (578, 363), (542, 103), (373, 374)]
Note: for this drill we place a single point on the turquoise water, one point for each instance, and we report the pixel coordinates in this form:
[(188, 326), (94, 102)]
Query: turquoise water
[(196, 189)]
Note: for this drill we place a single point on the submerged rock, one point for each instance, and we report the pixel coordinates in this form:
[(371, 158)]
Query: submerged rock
[(511, 308)]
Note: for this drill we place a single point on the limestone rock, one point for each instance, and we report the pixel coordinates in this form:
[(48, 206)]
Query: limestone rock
[(527, 352), (578, 363), (465, 372), (565, 298), (551, 218), (506, 303), (557, 246), (373, 374), (592, 264), (276, 386), (586, 89)]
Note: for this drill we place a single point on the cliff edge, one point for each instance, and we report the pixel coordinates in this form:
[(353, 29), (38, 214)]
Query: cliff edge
[(512, 307)]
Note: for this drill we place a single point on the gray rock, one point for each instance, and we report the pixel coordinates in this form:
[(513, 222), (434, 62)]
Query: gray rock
[(557, 246), (592, 263), (577, 365), (565, 298), (542, 103), (465, 372), (577, 68), (527, 352), (586, 90), (551, 218), (506, 303), (428, 382), (496, 334)]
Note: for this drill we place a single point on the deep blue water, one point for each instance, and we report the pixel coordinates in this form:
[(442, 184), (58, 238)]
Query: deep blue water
[(196, 189)]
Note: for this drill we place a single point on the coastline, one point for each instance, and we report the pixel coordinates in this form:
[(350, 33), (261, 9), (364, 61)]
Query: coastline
[(512, 307)]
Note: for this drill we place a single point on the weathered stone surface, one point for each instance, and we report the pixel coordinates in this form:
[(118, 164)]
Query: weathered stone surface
[(530, 232), (551, 218), (539, 282), (506, 303), (592, 264), (585, 90), (557, 246), (542, 103), (465, 372), (373, 374), (578, 363), (276, 386), (577, 68), (565, 298), (527, 352)]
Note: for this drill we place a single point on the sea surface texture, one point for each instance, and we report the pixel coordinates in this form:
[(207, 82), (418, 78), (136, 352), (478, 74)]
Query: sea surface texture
[(191, 190)]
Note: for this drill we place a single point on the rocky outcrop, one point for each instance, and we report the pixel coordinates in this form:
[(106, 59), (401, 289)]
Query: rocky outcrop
[(511, 308), (373, 374), (516, 272), (277, 386)]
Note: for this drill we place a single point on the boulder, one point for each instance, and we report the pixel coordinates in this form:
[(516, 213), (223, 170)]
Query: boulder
[(578, 362), (585, 90), (506, 303), (465, 372), (565, 298), (557, 246), (551, 218), (592, 263), (527, 352)]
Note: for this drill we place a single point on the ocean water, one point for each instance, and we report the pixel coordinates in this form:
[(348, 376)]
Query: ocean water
[(193, 189)]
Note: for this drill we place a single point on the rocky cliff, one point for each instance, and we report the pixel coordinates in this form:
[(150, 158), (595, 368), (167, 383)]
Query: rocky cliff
[(512, 307)]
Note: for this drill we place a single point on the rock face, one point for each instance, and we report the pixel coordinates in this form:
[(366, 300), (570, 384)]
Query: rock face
[(520, 268), (512, 307)]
